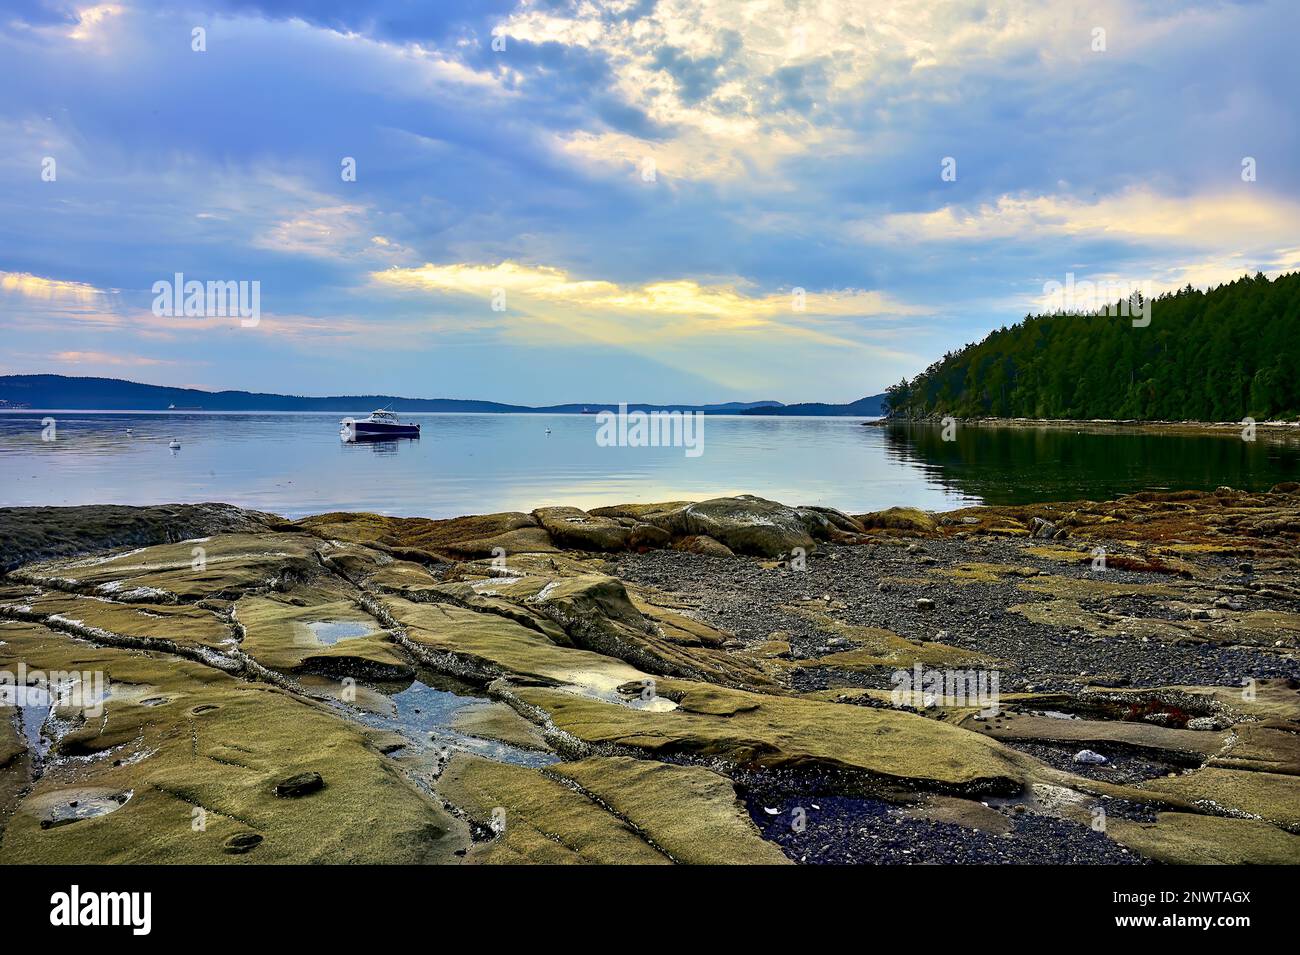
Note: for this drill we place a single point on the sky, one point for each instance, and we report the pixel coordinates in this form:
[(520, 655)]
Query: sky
[(637, 200)]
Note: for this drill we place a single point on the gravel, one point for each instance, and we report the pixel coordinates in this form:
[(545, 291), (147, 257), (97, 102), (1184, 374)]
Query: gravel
[(744, 597)]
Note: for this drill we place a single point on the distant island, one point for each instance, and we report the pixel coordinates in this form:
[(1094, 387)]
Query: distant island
[(114, 394), (1218, 355), (869, 407)]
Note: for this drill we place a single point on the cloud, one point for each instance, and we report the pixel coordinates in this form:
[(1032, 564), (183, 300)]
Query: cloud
[(1247, 217), (326, 231), (45, 289), (89, 20), (106, 358), (648, 311), (795, 144), (743, 85)]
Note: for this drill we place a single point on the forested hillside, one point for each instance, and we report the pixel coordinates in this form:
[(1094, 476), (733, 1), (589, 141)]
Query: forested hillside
[(1217, 355)]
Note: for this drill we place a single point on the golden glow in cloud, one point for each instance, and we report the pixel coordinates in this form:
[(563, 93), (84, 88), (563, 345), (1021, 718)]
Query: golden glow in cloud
[(712, 330), (89, 19), (1245, 219), (711, 308), (50, 290)]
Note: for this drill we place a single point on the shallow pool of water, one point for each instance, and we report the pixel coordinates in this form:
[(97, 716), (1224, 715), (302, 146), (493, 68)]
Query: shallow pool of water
[(424, 713), (330, 632)]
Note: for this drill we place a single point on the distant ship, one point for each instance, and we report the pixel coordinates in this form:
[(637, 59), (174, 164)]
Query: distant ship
[(190, 408), (587, 411), (381, 424)]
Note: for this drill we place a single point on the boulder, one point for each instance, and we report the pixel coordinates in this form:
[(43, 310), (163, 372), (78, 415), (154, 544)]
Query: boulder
[(746, 525), (704, 545), (906, 519), (571, 527), (303, 784), (648, 536), (417, 537)]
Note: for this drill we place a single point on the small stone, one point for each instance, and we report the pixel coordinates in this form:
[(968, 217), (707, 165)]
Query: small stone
[(1088, 757), (1042, 529), (304, 784), (240, 843), (924, 603)]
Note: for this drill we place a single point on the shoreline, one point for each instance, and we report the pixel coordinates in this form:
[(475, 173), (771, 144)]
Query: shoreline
[(1101, 424), (608, 673)]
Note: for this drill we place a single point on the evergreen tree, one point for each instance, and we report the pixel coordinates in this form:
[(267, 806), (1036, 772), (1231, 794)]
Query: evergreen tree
[(1216, 355)]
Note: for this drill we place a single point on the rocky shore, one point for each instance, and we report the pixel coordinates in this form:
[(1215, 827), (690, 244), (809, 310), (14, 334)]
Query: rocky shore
[(726, 681), (1102, 425)]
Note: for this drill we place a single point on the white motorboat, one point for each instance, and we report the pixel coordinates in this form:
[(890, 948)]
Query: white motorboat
[(381, 424)]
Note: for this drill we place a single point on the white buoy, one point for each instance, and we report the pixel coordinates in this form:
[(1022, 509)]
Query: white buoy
[(174, 445)]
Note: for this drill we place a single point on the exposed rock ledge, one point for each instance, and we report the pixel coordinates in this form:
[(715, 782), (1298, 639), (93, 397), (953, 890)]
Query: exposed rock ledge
[(684, 705)]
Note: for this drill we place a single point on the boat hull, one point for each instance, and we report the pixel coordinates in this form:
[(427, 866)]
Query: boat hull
[(365, 429)]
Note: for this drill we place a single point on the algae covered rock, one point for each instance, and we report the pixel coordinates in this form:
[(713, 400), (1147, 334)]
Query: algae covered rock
[(483, 647), (225, 566), (30, 534), (615, 810), (879, 748), (907, 519), (538, 819), (198, 755), (330, 637), (142, 624), (748, 525), (704, 545), (1181, 838), (689, 813), (570, 527), (423, 538), (223, 653), (1273, 797)]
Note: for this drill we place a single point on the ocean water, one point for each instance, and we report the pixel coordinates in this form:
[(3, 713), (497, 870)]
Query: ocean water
[(297, 464)]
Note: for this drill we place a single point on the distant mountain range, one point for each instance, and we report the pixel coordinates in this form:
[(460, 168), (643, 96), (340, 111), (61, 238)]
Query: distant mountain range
[(869, 407), (114, 394)]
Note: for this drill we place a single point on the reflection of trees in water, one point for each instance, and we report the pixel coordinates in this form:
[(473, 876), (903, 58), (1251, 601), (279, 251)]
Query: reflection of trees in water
[(1017, 465)]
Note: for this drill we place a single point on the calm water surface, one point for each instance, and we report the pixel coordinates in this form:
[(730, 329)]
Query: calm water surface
[(296, 464)]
